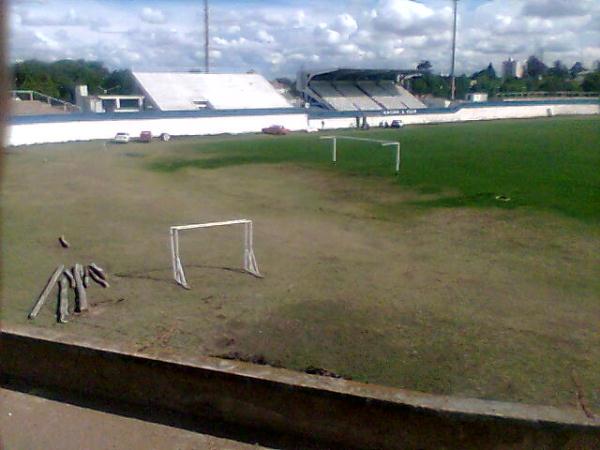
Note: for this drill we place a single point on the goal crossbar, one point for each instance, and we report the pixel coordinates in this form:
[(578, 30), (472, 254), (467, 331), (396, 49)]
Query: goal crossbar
[(334, 140), (250, 264)]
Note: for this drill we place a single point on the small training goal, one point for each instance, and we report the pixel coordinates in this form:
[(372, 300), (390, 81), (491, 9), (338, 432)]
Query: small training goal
[(334, 140), (250, 264)]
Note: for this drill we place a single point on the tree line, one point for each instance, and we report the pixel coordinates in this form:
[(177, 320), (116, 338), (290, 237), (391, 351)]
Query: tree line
[(58, 79), (537, 76)]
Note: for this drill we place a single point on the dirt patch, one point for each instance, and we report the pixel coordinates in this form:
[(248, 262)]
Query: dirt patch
[(244, 357), (323, 372)]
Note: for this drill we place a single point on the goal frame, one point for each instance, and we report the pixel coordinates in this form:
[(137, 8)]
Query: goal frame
[(334, 140), (249, 263)]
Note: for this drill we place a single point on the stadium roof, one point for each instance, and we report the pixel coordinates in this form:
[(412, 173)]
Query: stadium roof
[(184, 91), (343, 74)]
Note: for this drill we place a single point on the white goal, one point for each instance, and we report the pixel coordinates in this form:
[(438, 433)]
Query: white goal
[(250, 264), (334, 140)]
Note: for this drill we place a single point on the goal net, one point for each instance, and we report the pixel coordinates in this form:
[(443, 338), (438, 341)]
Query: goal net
[(249, 260), (334, 150)]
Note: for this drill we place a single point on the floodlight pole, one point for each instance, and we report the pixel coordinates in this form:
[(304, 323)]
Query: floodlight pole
[(206, 37), (452, 76)]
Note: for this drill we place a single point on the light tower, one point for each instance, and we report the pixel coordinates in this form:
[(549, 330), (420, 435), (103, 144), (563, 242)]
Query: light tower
[(452, 76), (206, 36)]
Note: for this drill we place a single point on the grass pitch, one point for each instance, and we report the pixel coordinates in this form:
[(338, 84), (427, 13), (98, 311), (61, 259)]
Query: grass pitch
[(423, 280)]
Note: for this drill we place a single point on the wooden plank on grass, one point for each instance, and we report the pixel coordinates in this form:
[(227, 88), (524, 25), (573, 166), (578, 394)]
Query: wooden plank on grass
[(63, 299), (85, 277), (71, 278), (97, 270), (81, 303), (97, 278), (42, 298)]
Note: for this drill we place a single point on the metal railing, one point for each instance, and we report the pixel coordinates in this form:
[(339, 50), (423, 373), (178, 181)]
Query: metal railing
[(542, 94), (30, 95)]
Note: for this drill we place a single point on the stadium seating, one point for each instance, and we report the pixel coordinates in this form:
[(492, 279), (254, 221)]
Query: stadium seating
[(382, 96), (361, 100), (332, 96), (405, 97), (364, 95), (188, 91)]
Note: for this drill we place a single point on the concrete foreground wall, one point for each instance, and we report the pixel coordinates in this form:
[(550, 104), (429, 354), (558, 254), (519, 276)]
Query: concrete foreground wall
[(49, 129), (338, 413)]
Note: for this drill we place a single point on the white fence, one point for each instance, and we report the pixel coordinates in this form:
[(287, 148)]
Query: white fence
[(462, 115)]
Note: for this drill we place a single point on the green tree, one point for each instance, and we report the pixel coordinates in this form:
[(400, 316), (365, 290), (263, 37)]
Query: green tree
[(424, 66), (535, 67), (558, 70), (576, 69), (58, 79), (119, 82), (591, 82)]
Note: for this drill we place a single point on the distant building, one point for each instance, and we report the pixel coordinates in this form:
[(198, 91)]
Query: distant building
[(512, 68), (107, 103)]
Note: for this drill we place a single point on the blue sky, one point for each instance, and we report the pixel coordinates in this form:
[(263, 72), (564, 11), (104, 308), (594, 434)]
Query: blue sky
[(279, 37)]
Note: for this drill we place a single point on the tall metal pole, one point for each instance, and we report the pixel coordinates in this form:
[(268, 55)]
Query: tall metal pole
[(452, 76), (206, 36)]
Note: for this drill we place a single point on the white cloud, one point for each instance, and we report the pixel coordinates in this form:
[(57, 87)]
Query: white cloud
[(277, 39), (557, 8), (345, 24), (151, 15), (264, 37)]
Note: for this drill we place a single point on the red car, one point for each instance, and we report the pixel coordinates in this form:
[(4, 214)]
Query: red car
[(145, 136), (276, 130)]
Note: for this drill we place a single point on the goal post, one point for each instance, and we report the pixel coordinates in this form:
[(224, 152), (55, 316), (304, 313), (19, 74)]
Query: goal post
[(249, 260), (334, 152)]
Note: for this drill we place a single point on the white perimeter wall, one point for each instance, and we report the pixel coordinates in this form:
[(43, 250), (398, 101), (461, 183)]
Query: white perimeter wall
[(462, 115), (38, 133)]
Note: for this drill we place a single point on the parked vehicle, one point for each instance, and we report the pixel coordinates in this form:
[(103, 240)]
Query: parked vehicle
[(121, 138), (145, 136), (276, 130), (396, 124)]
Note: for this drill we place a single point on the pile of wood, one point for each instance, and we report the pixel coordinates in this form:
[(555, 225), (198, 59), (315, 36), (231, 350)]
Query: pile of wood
[(78, 278)]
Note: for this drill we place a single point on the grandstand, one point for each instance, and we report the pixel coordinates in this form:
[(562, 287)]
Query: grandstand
[(182, 91), (358, 89)]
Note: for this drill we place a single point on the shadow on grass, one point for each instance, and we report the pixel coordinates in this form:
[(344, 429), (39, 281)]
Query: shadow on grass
[(480, 199), (209, 163)]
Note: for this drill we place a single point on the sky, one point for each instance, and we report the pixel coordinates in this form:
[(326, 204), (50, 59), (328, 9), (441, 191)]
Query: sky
[(279, 37)]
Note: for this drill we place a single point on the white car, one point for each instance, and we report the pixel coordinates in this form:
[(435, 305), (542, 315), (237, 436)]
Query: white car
[(121, 138)]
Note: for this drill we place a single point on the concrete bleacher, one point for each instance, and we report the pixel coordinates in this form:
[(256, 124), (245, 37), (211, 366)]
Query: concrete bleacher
[(403, 96), (180, 91), (382, 96), (332, 96), (363, 95), (358, 98)]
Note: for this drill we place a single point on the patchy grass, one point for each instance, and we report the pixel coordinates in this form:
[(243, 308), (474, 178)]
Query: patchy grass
[(379, 278), (546, 164)]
